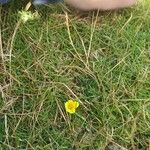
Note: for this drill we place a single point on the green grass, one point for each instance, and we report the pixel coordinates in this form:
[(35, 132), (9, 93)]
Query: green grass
[(101, 59)]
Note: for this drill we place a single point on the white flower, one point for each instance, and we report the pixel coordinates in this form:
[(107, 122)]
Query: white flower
[(28, 15)]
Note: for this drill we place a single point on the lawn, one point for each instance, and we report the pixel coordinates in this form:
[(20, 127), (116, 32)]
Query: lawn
[(100, 59)]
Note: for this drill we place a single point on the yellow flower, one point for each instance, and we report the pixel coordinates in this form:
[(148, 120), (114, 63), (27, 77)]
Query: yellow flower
[(71, 106)]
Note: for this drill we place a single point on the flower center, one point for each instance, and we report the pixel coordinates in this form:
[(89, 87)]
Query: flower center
[(71, 106)]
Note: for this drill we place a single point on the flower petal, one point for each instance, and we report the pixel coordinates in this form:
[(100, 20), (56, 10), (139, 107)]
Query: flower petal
[(76, 104)]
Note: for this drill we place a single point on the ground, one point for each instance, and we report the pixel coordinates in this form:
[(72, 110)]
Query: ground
[(100, 59)]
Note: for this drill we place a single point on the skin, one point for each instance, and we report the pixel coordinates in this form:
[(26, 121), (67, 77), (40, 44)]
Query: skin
[(88, 4), (100, 4)]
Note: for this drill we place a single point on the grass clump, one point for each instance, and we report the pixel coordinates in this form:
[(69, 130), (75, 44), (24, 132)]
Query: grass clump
[(100, 59)]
